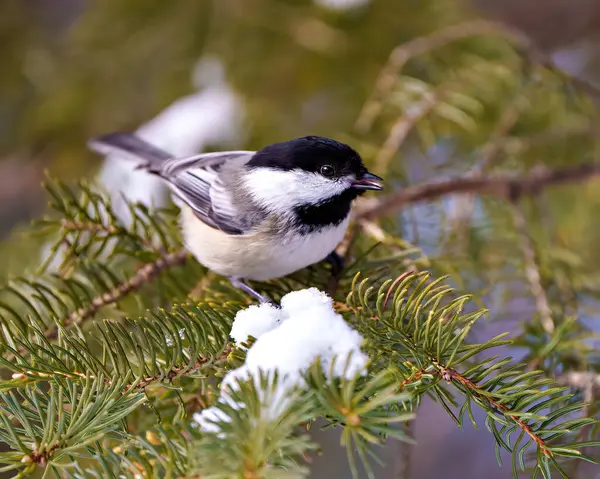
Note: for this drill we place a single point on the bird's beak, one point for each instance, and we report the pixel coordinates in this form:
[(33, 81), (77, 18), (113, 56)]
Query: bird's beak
[(368, 181)]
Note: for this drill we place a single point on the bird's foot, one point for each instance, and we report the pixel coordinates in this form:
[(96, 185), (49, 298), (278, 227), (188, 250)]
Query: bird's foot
[(240, 284), (337, 263)]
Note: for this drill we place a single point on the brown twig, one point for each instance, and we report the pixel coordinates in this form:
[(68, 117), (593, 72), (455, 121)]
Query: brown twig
[(144, 275), (491, 153), (176, 372), (88, 226), (532, 271), (509, 187), (402, 127), (449, 375), (413, 378), (42, 457)]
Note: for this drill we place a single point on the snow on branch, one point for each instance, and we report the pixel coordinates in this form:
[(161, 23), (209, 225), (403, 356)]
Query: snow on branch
[(288, 340)]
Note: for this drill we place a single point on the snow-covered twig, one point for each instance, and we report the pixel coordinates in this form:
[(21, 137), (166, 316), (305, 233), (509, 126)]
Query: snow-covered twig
[(288, 340)]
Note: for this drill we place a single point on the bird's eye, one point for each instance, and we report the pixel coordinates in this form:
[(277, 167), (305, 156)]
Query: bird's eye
[(327, 171)]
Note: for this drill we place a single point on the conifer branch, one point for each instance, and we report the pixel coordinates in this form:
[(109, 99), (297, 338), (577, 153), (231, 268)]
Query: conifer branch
[(403, 125), (175, 372), (511, 397), (92, 227), (413, 378), (403, 53), (450, 374), (167, 376), (419, 46), (144, 275), (491, 154), (89, 226), (509, 187)]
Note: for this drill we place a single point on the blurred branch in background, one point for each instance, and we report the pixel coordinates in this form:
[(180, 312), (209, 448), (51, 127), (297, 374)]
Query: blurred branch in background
[(505, 186), (532, 270), (403, 53)]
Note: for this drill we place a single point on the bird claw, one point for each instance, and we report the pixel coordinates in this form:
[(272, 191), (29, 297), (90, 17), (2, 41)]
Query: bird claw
[(337, 263), (240, 284)]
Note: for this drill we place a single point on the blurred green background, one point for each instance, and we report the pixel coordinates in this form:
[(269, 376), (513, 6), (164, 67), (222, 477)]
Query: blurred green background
[(250, 72)]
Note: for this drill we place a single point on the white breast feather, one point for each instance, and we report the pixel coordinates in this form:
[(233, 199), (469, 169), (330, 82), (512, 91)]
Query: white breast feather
[(253, 256)]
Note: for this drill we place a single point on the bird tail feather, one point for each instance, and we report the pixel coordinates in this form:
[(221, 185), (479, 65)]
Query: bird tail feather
[(131, 146)]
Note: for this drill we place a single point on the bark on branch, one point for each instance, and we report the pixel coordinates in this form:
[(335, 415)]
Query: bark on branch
[(509, 187)]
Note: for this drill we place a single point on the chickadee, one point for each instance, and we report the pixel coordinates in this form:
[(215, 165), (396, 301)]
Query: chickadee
[(257, 215)]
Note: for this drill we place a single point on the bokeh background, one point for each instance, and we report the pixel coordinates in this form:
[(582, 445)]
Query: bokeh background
[(200, 75)]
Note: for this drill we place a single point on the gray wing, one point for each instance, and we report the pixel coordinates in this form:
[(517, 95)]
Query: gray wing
[(197, 181)]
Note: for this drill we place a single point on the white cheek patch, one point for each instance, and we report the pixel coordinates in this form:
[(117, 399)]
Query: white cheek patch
[(281, 191)]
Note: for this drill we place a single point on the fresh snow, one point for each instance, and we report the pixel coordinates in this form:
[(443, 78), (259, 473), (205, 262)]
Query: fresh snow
[(288, 341)]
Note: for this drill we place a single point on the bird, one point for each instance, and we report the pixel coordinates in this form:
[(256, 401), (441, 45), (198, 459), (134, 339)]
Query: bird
[(257, 215)]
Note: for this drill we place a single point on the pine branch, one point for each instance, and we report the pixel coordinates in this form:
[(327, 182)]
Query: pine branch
[(416, 47), (169, 345), (139, 384), (144, 275), (175, 372), (90, 227), (404, 124), (47, 427), (508, 187), (491, 153), (425, 334), (449, 375)]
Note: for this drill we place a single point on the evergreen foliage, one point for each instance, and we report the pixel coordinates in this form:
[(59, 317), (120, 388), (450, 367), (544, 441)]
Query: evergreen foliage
[(94, 397), (109, 347)]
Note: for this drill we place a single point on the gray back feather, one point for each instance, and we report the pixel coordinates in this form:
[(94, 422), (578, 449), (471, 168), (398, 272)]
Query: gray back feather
[(208, 183)]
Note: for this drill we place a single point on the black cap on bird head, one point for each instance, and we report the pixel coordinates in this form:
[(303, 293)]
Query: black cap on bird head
[(316, 154)]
